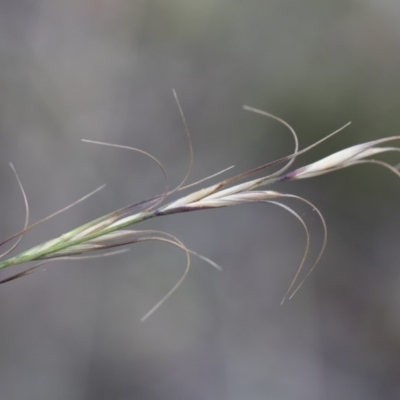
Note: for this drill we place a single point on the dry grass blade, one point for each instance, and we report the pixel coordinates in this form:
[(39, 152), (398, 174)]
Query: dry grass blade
[(190, 144), (14, 246), (321, 252), (23, 273), (292, 131), (206, 178), (52, 215), (156, 160), (394, 169), (180, 245), (55, 258), (172, 237), (306, 250)]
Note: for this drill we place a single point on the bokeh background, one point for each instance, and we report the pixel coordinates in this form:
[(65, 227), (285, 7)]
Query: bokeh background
[(104, 70)]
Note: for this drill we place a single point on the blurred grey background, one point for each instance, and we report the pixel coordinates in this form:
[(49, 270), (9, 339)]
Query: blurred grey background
[(104, 70)]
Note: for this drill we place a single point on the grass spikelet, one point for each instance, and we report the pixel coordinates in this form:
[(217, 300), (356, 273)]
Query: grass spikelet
[(112, 231)]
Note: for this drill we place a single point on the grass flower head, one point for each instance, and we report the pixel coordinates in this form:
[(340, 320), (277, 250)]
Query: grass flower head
[(111, 233)]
